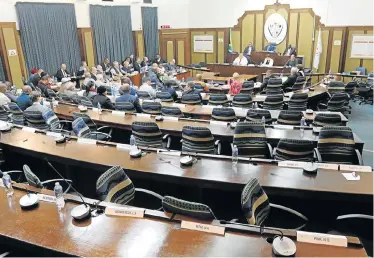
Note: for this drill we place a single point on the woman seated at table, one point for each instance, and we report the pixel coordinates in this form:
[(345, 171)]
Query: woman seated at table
[(199, 80), (235, 84)]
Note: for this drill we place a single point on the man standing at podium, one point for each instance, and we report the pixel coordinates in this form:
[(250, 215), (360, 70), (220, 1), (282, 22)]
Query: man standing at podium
[(249, 49)]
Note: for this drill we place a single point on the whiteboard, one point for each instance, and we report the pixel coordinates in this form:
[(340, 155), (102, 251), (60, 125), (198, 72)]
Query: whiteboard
[(203, 43), (362, 46)]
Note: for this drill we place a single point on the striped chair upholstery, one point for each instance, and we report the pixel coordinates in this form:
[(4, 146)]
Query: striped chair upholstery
[(255, 115), (171, 111), (164, 96), (147, 134), (255, 203), (199, 87), (242, 100), (4, 115), (274, 86), (218, 99), (336, 144), (299, 84), (287, 117), (298, 102), (86, 102), (31, 178), (143, 95), (51, 120), (250, 138), (52, 94), (197, 139), (273, 102), (337, 103), (327, 119), (224, 114), (80, 128), (247, 87), (296, 150), (191, 99), (350, 88), (191, 209), (128, 107), (65, 97), (153, 108), (17, 114), (115, 186), (35, 119), (336, 87), (87, 120)]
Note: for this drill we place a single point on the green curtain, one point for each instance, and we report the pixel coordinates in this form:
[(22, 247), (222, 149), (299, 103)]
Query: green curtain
[(150, 31)]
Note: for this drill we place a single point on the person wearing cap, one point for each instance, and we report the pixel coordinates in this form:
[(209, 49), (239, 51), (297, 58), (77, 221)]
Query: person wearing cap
[(102, 99), (24, 100), (67, 87), (127, 97)]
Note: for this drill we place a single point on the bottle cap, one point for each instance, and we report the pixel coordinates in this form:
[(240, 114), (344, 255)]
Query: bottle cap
[(57, 183)]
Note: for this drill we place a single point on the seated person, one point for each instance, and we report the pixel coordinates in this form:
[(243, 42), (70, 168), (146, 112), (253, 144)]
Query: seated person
[(127, 80), (190, 89), (144, 63), (43, 84), (161, 69), (116, 81), (10, 92), (90, 91), (269, 74), (249, 49), (126, 69), (93, 73), (171, 66), (292, 62), (240, 60), (271, 47), (83, 69), (268, 61), (36, 78), (127, 97), (67, 87), (24, 100), (101, 98), (235, 84), (36, 98), (137, 64), (168, 88), (289, 51), (300, 70), (33, 72), (199, 80), (154, 75), (115, 70), (87, 78), (158, 60), (291, 79), (146, 86), (62, 73), (4, 100)]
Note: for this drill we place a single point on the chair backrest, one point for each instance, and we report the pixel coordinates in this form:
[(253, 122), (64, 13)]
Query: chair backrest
[(274, 84), (115, 186), (128, 107), (224, 114), (337, 101), (287, 117), (242, 100), (247, 87), (153, 108), (273, 102), (65, 97), (171, 111), (143, 95), (350, 87), (255, 203), (250, 138), (86, 102), (296, 150), (197, 139), (275, 91), (298, 85), (87, 119), (336, 144), (17, 114), (31, 178), (255, 115), (191, 99), (298, 102), (35, 119), (147, 134), (4, 114), (198, 86), (51, 120), (51, 93), (327, 119), (164, 96), (335, 87), (190, 209), (80, 128), (218, 99)]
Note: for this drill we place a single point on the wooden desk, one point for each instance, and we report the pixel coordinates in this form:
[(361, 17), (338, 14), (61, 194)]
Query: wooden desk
[(228, 70), (108, 236), (245, 77), (259, 56), (137, 78)]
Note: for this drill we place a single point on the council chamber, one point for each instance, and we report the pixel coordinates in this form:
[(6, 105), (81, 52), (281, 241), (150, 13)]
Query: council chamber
[(246, 136)]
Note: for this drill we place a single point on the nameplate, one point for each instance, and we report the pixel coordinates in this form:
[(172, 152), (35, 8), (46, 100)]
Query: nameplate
[(237, 108), (118, 113), (124, 212), (143, 115), (46, 198), (123, 146), (206, 106), (86, 141), (284, 127), (291, 164), (218, 123), (322, 239), (170, 153), (53, 134), (203, 227), (178, 105), (95, 109), (29, 129), (328, 166), (170, 118), (355, 168)]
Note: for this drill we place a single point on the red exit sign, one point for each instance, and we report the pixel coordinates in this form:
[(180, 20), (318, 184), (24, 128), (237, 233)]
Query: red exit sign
[(165, 27)]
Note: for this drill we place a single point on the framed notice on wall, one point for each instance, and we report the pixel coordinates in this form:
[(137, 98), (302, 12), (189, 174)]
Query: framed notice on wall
[(362, 46), (203, 43)]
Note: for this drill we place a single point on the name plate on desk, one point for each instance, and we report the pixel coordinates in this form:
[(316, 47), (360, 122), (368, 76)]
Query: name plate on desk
[(203, 227), (124, 212), (53, 134), (46, 198), (28, 129), (237, 108), (170, 118), (178, 105), (123, 146), (355, 168), (322, 239), (218, 123), (284, 127), (328, 166), (206, 106), (170, 153), (143, 115), (86, 141), (95, 109), (118, 113), (291, 164)]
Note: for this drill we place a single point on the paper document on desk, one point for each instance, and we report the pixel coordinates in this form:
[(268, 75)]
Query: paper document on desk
[(169, 153), (291, 164), (170, 118), (212, 122), (283, 127), (351, 177), (143, 115), (28, 129)]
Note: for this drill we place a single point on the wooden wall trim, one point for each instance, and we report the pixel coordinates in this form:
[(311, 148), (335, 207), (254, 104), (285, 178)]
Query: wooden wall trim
[(20, 54), (297, 30), (82, 44), (343, 50), (4, 56), (135, 40), (329, 50)]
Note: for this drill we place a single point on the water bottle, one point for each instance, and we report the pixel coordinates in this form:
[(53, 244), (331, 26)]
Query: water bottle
[(132, 143), (302, 124), (256, 105), (7, 181), (235, 154), (60, 202), (263, 120), (99, 107)]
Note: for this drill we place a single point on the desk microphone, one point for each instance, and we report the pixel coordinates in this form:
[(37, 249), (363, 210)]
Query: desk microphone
[(28, 201), (80, 212)]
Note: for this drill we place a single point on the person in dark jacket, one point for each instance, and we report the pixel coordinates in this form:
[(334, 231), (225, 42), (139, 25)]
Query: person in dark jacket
[(127, 97), (291, 79), (102, 99), (269, 74), (168, 88), (24, 100)]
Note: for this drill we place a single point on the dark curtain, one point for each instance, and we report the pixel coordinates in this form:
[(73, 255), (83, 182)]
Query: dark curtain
[(112, 32), (2, 70), (150, 31), (49, 35)]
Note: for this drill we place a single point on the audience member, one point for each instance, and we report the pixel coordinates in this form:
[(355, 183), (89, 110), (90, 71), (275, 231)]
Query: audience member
[(102, 98), (43, 85), (190, 89), (24, 100), (126, 69), (10, 93), (144, 63), (115, 70), (168, 88), (93, 73), (62, 73), (268, 61), (127, 97), (171, 66), (105, 65), (83, 69), (36, 98), (87, 78), (153, 75), (127, 80), (67, 87), (199, 80), (137, 64), (291, 79), (146, 86), (158, 59), (292, 62), (300, 71), (269, 74), (36, 78), (4, 100), (235, 84)]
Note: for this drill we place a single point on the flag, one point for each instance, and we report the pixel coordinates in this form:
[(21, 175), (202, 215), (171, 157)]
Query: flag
[(318, 51), (229, 49)]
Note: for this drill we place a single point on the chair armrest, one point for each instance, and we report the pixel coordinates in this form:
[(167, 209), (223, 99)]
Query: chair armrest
[(298, 214), (218, 144), (149, 192), (55, 180), (13, 171), (105, 127), (321, 106), (354, 216), (168, 137), (66, 121), (317, 155), (105, 134), (271, 152), (359, 157)]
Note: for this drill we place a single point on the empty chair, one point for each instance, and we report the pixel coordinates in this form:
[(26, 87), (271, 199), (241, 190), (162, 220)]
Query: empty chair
[(287, 117), (255, 115), (128, 107), (224, 114), (54, 123), (218, 99), (242, 100), (65, 97), (191, 209), (147, 134), (171, 111), (296, 150), (247, 87), (299, 84), (81, 129), (336, 145), (197, 139), (86, 102), (336, 87), (143, 95), (250, 138), (327, 119), (153, 108), (191, 99), (90, 123), (17, 114), (164, 96), (350, 88), (273, 102), (274, 92), (4, 114), (35, 119), (298, 102), (274, 85), (335, 104)]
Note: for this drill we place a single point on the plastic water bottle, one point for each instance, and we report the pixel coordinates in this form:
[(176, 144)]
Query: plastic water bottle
[(302, 124), (132, 143), (59, 193), (256, 105), (7, 181), (99, 107), (263, 120), (235, 154)]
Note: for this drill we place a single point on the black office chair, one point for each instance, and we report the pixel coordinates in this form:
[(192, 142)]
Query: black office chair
[(327, 119), (247, 87), (35, 119), (337, 103), (66, 98), (81, 129), (171, 111), (198, 87), (218, 100), (298, 102), (287, 117), (365, 93), (273, 102), (55, 124), (299, 84), (336, 87), (296, 150), (199, 140), (191, 99), (91, 124), (164, 96), (16, 114), (147, 134), (52, 94), (224, 114), (274, 86), (4, 114), (128, 107), (255, 115), (350, 89), (153, 108), (86, 102), (242, 101), (144, 95)]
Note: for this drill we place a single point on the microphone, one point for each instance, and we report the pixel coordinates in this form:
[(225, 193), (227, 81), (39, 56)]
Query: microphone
[(28, 201), (80, 212)]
